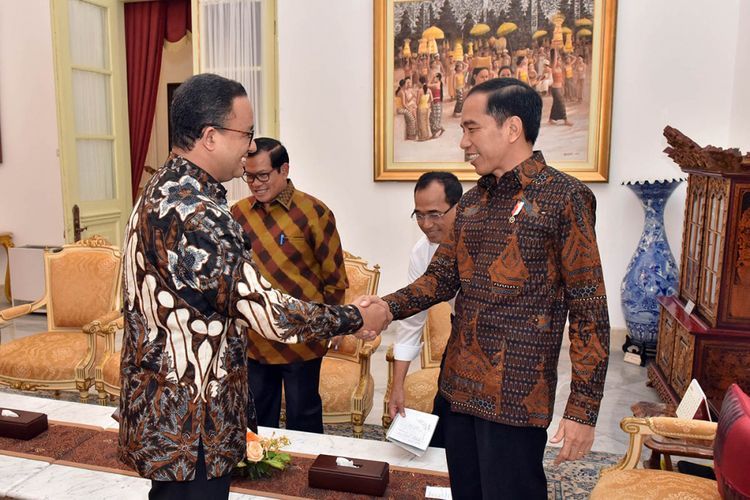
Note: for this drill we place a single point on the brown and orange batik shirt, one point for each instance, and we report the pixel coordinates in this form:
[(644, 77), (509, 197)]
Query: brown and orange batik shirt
[(523, 258), (190, 289), (297, 248)]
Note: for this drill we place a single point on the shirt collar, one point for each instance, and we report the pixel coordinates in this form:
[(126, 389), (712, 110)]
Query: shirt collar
[(284, 198), (520, 176), (209, 186)]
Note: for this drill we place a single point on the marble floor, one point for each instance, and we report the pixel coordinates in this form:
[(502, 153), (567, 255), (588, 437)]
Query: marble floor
[(626, 383)]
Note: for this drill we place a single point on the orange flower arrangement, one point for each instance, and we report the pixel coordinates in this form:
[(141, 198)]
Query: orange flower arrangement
[(263, 456)]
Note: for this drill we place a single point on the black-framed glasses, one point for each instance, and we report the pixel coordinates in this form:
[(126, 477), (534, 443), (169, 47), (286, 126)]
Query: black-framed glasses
[(430, 216), (262, 177), (247, 134)]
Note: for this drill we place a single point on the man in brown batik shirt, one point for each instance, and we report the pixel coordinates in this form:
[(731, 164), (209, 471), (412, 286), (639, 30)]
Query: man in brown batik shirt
[(523, 257)]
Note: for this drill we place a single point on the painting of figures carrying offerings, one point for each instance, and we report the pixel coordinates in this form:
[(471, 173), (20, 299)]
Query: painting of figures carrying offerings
[(430, 53)]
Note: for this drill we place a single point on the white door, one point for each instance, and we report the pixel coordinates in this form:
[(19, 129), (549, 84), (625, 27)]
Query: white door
[(91, 80)]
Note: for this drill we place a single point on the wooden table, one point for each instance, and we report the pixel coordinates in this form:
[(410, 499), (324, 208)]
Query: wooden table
[(6, 241)]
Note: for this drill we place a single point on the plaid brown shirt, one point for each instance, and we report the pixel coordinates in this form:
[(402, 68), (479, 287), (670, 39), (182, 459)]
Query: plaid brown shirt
[(297, 248), (518, 278)]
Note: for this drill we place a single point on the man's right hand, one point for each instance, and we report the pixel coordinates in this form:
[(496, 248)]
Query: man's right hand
[(376, 316)]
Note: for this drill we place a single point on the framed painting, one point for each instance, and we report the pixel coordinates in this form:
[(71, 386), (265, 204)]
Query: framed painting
[(428, 54)]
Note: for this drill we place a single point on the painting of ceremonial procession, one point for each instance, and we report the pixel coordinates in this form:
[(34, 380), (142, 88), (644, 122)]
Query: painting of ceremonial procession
[(430, 53)]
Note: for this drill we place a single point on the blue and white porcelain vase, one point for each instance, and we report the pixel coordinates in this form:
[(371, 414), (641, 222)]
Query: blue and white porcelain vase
[(652, 272)]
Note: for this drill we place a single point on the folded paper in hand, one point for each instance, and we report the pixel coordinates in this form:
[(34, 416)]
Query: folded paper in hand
[(412, 432)]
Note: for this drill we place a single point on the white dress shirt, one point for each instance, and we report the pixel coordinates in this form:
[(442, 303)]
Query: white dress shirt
[(409, 334)]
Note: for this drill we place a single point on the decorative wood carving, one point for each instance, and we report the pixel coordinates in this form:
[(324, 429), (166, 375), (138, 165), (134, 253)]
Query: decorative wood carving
[(711, 343)]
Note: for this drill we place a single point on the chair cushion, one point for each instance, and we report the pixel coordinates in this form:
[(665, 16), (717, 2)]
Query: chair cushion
[(647, 483), (732, 445), (111, 370), (338, 380), (47, 356), (420, 388)]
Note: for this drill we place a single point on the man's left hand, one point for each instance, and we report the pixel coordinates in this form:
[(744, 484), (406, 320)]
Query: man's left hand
[(577, 439)]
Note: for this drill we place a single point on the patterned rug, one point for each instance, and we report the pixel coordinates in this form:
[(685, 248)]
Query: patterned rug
[(568, 481)]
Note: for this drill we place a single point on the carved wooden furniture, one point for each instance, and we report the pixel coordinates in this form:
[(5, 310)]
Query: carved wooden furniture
[(420, 387), (6, 241), (346, 385), (710, 341), (82, 289)]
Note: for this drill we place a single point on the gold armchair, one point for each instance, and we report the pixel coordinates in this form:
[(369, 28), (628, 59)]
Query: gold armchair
[(420, 387), (82, 285), (346, 385), (729, 438), (624, 481)]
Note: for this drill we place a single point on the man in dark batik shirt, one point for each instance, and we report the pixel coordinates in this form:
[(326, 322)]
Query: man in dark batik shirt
[(190, 289), (523, 257)]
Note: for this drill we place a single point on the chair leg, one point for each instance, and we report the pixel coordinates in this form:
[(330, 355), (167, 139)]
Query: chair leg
[(83, 396), (357, 425)]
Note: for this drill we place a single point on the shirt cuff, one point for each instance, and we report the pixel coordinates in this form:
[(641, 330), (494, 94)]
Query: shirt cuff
[(406, 352), (582, 409), (350, 319)]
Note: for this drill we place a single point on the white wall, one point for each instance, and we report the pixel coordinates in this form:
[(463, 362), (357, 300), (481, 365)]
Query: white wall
[(30, 192), (666, 72), (740, 123)]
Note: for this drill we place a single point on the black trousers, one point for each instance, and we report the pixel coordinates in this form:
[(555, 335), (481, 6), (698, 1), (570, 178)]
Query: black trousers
[(304, 408), (200, 488), (488, 460)]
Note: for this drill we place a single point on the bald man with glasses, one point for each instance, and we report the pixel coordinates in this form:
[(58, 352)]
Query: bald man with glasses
[(435, 197)]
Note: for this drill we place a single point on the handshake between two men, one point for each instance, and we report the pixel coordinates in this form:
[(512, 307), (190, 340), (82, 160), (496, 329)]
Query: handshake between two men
[(376, 316)]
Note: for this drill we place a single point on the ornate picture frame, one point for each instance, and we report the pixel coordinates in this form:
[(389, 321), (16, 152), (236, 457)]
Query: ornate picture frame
[(421, 39)]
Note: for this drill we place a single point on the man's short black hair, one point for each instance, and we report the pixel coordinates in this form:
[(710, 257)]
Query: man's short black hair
[(276, 151), (508, 97), (202, 100), (451, 185)]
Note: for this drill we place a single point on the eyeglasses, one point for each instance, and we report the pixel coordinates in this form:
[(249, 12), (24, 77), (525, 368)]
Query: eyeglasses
[(261, 177), (249, 135), (430, 216)]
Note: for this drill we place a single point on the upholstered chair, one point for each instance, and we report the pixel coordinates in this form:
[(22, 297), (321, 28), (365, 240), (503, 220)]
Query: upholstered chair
[(420, 387), (82, 286), (731, 443), (346, 385)]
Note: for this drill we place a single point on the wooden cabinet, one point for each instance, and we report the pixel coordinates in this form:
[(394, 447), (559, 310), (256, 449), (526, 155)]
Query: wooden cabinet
[(710, 340)]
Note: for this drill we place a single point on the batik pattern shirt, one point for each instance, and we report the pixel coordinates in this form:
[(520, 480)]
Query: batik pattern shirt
[(297, 248), (190, 289), (523, 257)]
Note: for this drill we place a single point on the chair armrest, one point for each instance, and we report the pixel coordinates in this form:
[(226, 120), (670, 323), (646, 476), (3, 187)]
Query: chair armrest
[(21, 310), (682, 429), (639, 427), (109, 323)]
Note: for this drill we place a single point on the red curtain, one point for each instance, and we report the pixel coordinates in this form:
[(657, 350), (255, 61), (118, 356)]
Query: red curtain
[(145, 26)]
